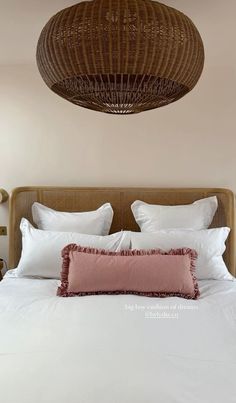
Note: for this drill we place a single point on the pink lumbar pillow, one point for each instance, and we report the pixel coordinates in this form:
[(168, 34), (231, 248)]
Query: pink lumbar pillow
[(152, 273)]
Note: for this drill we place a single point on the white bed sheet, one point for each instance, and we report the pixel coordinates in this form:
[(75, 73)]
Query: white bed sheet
[(116, 349)]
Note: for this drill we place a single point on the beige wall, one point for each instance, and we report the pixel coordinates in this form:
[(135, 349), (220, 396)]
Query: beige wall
[(46, 140)]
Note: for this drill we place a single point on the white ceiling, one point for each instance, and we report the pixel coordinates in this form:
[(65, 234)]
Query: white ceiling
[(21, 22)]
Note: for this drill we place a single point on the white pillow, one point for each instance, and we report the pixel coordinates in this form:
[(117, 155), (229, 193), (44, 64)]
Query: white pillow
[(209, 244), (41, 250), (197, 216), (96, 222)]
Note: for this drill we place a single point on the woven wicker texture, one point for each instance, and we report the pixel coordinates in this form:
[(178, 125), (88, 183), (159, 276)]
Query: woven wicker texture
[(120, 56)]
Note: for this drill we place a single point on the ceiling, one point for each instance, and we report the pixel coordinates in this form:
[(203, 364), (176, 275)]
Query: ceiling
[(21, 22)]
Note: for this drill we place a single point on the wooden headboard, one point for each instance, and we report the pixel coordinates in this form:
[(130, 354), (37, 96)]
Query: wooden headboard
[(85, 199)]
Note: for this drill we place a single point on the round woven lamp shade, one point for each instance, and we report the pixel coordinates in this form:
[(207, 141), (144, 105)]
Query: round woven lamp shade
[(120, 56)]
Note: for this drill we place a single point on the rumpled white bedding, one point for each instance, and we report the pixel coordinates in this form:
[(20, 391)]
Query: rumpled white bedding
[(116, 349)]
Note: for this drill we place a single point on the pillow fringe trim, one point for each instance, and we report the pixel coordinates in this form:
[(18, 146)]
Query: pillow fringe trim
[(62, 290)]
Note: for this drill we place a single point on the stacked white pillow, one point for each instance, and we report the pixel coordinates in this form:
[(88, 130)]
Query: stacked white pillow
[(196, 216), (96, 222), (41, 250), (184, 226)]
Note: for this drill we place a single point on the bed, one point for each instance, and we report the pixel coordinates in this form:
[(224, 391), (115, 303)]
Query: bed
[(123, 348)]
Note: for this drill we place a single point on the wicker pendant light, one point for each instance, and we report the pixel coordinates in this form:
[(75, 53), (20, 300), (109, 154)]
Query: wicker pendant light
[(120, 56)]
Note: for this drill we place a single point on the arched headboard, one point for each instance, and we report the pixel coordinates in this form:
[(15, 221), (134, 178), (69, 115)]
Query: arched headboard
[(85, 199)]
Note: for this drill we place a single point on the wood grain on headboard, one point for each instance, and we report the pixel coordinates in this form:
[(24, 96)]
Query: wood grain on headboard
[(86, 199)]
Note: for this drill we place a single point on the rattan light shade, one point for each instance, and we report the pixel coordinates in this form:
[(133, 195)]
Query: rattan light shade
[(120, 56)]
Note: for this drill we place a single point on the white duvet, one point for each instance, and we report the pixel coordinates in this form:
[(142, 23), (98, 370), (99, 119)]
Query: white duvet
[(116, 349)]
